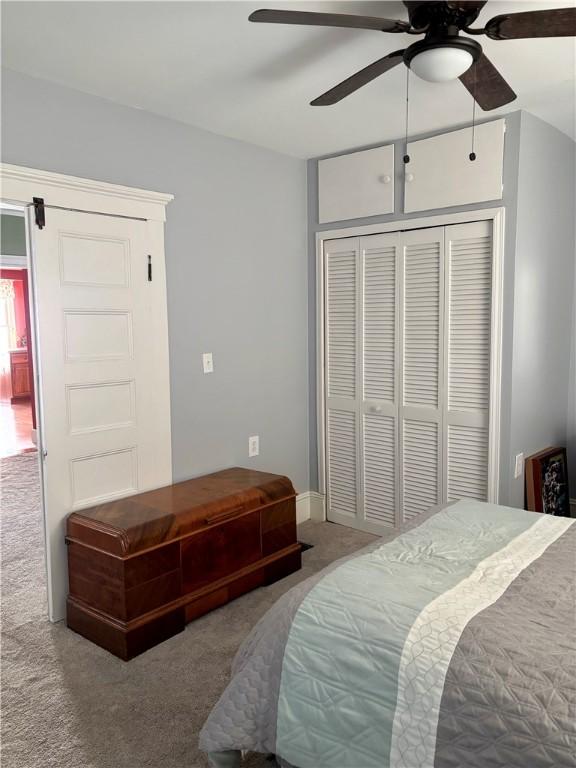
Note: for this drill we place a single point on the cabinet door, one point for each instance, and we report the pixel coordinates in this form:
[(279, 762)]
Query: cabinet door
[(440, 173), (356, 185), (20, 379)]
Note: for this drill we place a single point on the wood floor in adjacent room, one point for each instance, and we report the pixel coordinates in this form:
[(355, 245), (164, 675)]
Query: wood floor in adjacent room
[(15, 428), (69, 704)]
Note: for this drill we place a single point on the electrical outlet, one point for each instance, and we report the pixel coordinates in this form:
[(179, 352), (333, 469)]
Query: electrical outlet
[(253, 445), (207, 362), (519, 465)]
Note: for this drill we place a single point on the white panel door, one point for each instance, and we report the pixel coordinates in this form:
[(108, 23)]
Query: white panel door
[(341, 277), (422, 316), (104, 369), (469, 258), (379, 258)]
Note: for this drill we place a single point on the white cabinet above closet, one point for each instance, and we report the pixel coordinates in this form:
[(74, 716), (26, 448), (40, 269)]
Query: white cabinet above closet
[(356, 185), (440, 173)]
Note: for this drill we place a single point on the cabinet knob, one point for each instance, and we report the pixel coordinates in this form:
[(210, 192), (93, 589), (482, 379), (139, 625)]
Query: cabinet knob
[(385, 178), (375, 409), (409, 177)]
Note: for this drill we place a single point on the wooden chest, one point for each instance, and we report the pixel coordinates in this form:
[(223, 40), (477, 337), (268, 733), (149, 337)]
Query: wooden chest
[(140, 568)]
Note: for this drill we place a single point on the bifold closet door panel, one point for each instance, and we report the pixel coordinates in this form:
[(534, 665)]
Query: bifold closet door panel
[(342, 444), (422, 349), (379, 301), (379, 255), (420, 465), (468, 332), (341, 264)]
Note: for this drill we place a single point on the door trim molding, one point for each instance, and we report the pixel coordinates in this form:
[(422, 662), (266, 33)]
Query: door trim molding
[(19, 184), (497, 216)]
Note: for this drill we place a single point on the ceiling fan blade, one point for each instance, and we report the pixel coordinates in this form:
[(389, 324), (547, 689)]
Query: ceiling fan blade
[(329, 20), (558, 22), (487, 85), (351, 84)]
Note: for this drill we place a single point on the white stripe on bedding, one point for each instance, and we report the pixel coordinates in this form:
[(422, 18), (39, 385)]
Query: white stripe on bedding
[(435, 633)]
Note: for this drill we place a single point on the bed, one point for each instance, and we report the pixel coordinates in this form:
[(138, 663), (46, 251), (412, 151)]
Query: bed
[(449, 642)]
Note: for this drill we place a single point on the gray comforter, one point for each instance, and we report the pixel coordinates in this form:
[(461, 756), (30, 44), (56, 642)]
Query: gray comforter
[(449, 643)]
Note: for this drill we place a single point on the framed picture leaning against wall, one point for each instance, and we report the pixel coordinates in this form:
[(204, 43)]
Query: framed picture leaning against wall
[(547, 482)]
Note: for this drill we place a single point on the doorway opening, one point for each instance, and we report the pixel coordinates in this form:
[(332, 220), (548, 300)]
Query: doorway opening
[(18, 432), (21, 497)]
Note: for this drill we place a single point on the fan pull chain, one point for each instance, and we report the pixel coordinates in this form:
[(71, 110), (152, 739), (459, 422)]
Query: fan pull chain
[(472, 154), (406, 157)]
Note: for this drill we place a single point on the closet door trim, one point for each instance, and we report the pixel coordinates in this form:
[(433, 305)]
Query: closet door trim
[(495, 215)]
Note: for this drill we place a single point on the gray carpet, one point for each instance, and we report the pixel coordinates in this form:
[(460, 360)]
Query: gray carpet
[(68, 704)]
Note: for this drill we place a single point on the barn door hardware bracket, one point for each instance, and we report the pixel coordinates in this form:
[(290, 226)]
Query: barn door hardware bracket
[(39, 212)]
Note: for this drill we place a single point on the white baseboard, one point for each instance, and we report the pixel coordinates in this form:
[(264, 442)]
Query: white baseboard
[(572, 507), (310, 506)]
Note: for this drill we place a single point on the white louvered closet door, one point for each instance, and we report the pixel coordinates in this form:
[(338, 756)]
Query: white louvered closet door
[(421, 353), (342, 375), (379, 502), (469, 257), (408, 328)]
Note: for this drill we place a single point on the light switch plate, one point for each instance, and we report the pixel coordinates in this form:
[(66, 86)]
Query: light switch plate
[(519, 465), (253, 445), (207, 362)]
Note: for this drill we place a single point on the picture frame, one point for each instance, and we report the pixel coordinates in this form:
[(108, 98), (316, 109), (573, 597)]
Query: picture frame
[(547, 482)]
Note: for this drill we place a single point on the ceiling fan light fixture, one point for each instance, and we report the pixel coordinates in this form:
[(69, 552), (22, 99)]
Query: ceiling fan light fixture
[(440, 65), (442, 59)]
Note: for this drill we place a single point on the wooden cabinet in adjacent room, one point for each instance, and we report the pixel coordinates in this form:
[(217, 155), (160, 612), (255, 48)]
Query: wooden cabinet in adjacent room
[(141, 567), (20, 374)]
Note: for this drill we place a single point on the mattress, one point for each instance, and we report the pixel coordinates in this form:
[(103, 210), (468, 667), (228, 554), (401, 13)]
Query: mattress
[(449, 642)]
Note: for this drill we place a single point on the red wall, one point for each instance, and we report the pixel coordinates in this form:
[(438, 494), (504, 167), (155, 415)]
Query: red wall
[(22, 317), (19, 310), (20, 278)]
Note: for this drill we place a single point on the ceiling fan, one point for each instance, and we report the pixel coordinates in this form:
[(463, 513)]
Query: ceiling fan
[(443, 54)]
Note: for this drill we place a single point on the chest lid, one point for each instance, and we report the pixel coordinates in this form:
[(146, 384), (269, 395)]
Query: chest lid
[(127, 526)]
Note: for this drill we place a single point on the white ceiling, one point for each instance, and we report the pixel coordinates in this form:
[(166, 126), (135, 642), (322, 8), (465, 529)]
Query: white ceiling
[(204, 64)]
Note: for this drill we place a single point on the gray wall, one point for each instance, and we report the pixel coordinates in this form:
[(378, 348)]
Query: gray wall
[(572, 407), (12, 235), (543, 292), (236, 265), (509, 201)]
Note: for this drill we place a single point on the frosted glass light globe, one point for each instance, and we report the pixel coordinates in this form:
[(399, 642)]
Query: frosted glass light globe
[(439, 65)]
